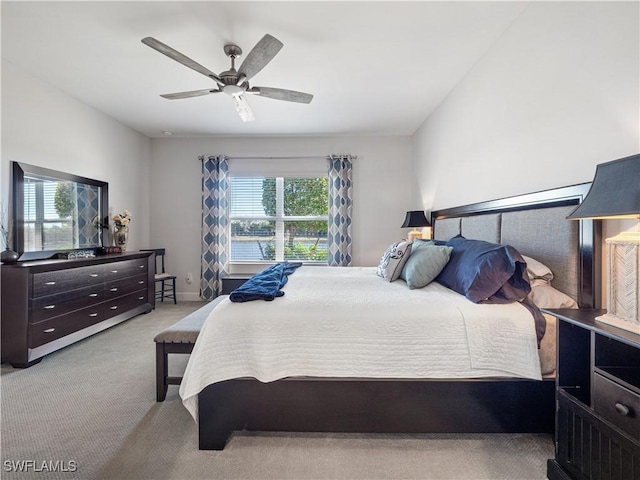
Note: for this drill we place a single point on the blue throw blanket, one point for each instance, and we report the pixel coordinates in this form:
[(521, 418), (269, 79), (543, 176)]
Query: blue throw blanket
[(265, 285)]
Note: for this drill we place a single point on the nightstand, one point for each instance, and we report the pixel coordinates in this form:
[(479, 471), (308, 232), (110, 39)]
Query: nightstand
[(597, 399), (231, 282)]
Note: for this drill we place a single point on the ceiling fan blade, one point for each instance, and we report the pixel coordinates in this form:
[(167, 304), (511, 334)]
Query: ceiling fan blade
[(243, 108), (180, 58), (192, 93), (282, 94), (260, 55)]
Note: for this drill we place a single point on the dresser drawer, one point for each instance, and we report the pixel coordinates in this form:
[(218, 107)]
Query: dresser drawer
[(127, 302), (117, 288), (126, 268), (90, 315), (51, 306), (58, 281), (617, 404), (49, 330)]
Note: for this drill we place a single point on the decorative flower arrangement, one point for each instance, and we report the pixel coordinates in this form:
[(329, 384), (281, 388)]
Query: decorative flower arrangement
[(122, 220)]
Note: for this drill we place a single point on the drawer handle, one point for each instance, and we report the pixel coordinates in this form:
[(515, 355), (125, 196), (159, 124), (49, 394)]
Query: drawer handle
[(93, 314), (114, 271), (93, 275), (49, 307), (141, 282), (140, 298), (49, 283), (140, 266), (93, 294), (114, 289), (49, 330), (115, 307), (622, 409)]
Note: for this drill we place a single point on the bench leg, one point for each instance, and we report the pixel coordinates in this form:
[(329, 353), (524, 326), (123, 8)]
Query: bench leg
[(162, 371)]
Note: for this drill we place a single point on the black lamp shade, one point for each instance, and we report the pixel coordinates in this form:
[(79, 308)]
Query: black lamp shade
[(614, 192), (415, 218)]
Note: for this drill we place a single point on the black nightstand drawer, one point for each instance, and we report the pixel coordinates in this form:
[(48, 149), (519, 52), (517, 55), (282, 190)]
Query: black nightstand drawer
[(617, 404), (230, 283)]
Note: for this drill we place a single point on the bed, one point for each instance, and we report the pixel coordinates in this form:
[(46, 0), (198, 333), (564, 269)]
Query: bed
[(232, 391)]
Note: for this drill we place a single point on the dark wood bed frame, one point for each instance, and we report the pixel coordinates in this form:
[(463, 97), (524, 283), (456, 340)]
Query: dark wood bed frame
[(366, 405)]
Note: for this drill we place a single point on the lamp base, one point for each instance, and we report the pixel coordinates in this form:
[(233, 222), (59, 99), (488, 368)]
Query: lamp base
[(623, 299), (618, 322), (414, 234)]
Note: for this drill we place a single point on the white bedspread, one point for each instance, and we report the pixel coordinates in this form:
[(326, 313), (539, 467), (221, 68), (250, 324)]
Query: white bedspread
[(348, 322)]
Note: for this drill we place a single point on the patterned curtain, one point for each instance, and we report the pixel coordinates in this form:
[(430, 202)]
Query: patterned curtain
[(215, 219), (340, 202)]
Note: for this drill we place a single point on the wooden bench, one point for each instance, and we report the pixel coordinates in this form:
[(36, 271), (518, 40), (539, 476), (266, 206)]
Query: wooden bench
[(178, 338)]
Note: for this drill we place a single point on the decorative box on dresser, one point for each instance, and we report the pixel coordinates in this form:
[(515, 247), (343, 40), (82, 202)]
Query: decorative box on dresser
[(598, 399), (49, 304)]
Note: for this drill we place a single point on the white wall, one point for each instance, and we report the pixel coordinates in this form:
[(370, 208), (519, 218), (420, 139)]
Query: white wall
[(383, 188), (557, 94), (44, 126)]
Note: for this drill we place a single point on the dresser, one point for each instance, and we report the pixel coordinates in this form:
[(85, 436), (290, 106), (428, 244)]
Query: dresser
[(49, 304), (598, 400)]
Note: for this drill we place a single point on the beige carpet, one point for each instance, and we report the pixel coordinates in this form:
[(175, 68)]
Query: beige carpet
[(91, 408)]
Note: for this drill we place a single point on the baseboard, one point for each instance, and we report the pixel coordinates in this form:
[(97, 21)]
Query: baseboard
[(189, 297)]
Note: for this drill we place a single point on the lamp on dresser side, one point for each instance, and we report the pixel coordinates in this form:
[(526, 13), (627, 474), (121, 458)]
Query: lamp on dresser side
[(414, 219), (615, 194)]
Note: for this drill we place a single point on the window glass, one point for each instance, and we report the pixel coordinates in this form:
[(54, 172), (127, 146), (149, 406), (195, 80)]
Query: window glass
[(278, 218)]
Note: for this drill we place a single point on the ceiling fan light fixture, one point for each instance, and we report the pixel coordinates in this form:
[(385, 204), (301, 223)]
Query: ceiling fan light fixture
[(233, 90), (243, 108)]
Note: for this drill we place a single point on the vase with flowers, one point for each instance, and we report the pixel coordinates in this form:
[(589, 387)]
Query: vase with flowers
[(121, 229)]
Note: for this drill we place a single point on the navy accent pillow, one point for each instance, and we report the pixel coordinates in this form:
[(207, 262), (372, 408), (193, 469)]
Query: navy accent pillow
[(485, 272)]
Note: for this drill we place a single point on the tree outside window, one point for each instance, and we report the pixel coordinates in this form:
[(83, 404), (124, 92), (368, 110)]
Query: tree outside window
[(285, 218)]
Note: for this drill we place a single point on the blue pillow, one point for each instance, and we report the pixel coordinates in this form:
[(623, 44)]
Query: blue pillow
[(424, 264), (485, 272)]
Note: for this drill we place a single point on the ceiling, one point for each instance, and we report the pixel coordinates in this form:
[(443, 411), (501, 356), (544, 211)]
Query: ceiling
[(374, 68)]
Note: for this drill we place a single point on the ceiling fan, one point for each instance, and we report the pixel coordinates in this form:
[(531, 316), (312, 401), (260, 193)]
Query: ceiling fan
[(235, 83)]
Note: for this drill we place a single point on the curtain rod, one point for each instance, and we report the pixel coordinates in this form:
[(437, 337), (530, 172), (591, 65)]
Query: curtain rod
[(300, 157), (309, 157)]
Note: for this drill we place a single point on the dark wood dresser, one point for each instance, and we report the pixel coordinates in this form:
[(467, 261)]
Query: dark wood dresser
[(49, 304), (598, 400)]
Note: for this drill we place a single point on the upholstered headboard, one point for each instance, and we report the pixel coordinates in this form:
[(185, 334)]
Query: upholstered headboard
[(536, 225)]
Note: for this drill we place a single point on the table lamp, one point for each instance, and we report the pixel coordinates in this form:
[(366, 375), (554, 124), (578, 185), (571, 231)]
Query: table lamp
[(614, 194), (415, 218)]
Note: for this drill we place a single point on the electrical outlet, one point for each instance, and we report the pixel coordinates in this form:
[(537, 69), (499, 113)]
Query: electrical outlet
[(189, 277)]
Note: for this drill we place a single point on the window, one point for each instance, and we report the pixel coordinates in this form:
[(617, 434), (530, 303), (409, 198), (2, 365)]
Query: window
[(48, 209), (278, 218)]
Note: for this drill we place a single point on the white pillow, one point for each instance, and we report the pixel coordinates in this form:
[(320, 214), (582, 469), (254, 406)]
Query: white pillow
[(393, 260), (538, 272), (545, 296)]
